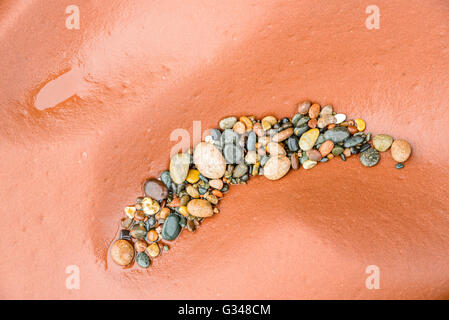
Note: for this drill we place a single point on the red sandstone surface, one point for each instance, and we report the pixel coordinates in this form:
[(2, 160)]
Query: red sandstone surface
[(74, 155)]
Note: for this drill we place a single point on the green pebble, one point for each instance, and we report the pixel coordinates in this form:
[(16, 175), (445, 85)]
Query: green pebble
[(143, 260), (399, 166)]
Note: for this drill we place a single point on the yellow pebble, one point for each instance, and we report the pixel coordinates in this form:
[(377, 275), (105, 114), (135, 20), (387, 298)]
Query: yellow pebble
[(149, 206), (266, 125), (153, 250), (247, 122), (183, 210), (193, 176), (270, 119), (130, 212), (360, 124)]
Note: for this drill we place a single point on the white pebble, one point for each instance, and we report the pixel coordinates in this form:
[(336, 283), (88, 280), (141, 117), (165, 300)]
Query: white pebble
[(340, 117)]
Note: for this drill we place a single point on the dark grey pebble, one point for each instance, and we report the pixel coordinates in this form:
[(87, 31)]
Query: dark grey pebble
[(171, 228), (370, 157), (365, 147), (343, 157), (292, 143), (143, 260), (166, 179), (150, 223), (298, 131), (124, 235), (337, 134), (296, 118), (302, 121), (354, 150), (353, 141)]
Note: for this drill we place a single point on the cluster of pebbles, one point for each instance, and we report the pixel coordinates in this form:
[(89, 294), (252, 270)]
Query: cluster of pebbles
[(196, 181)]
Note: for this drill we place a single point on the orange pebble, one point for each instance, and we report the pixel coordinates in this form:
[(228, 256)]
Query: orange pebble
[(247, 122), (332, 125), (312, 123), (314, 111), (352, 129), (164, 213), (152, 235), (217, 193)]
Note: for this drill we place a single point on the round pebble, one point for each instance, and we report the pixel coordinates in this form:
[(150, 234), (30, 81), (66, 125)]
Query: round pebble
[(153, 250), (143, 260), (209, 160), (314, 155), (382, 142), (227, 123), (400, 150), (216, 183), (192, 191), (370, 157), (399, 165), (122, 252), (155, 189), (240, 170), (200, 208), (276, 167), (274, 148), (309, 164)]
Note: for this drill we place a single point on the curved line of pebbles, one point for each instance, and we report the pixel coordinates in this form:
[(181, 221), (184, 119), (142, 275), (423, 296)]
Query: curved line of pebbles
[(191, 189)]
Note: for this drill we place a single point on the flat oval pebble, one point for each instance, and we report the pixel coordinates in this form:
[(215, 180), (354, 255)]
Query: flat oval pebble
[(240, 170), (353, 141), (138, 231), (314, 111), (400, 150), (276, 167), (171, 227), (370, 157), (294, 161), (155, 189), (216, 184), (304, 106), (166, 179), (326, 147), (314, 155), (179, 167), (281, 136), (143, 260), (209, 160), (308, 139), (337, 134), (192, 191), (122, 252), (382, 142), (309, 164), (200, 208), (227, 123)]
